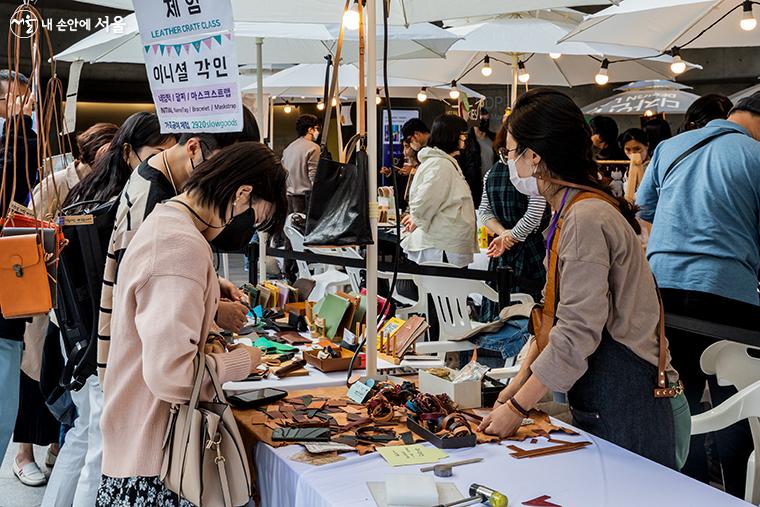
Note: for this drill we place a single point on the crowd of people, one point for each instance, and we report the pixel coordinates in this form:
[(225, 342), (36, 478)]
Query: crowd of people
[(535, 184)]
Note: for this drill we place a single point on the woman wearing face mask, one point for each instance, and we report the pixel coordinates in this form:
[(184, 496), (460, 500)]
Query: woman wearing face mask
[(517, 221), (600, 340), (635, 144), (441, 223), (138, 139), (165, 307)]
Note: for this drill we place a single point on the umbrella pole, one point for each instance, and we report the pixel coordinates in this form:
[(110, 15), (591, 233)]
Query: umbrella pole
[(371, 314), (263, 237), (515, 60)]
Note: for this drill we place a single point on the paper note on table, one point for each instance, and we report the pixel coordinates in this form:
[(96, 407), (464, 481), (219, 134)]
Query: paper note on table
[(416, 454)]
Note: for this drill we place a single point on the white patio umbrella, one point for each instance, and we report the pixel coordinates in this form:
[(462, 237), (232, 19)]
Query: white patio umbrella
[(531, 38), (736, 97), (663, 24), (307, 80), (402, 12), (645, 97), (283, 43)]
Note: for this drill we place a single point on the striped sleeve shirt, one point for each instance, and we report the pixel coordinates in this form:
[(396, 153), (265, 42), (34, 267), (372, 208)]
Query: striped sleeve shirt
[(146, 188), (529, 222)]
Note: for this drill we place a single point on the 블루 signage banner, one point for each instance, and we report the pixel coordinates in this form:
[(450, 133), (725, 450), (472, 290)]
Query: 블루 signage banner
[(191, 61)]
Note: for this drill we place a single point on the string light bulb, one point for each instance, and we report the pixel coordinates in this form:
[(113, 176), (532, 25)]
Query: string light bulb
[(602, 78), (555, 56), (486, 70), (678, 66), (288, 108), (422, 95), (522, 74), (748, 22), (648, 113), (378, 98), (454, 91), (320, 105), (351, 18)]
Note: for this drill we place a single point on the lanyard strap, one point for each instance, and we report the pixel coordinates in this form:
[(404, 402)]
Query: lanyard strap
[(555, 219)]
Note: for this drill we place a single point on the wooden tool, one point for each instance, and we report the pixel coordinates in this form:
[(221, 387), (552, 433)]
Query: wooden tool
[(520, 453)]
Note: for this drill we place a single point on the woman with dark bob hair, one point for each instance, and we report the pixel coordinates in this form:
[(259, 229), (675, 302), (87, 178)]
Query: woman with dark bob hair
[(599, 339), (165, 302)]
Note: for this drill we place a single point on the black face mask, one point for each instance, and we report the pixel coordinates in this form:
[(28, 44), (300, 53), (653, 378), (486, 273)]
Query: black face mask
[(483, 125), (237, 233)]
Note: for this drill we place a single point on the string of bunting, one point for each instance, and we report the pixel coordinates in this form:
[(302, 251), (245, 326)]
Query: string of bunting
[(207, 41)]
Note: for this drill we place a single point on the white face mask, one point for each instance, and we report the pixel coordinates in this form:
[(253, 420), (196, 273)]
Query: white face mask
[(526, 186)]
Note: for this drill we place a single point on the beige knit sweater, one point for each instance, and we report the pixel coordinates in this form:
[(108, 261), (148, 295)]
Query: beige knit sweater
[(165, 301)]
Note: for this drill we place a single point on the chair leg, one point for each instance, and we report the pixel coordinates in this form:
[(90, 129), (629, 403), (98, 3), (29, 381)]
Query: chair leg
[(752, 488)]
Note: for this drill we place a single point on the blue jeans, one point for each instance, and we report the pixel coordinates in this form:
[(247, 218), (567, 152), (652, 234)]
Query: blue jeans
[(10, 366)]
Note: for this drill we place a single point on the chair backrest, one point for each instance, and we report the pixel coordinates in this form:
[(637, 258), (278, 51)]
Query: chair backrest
[(296, 242), (450, 300), (731, 363), (354, 274)]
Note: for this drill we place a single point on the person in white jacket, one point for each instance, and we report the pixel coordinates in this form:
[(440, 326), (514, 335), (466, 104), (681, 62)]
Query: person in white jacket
[(441, 224)]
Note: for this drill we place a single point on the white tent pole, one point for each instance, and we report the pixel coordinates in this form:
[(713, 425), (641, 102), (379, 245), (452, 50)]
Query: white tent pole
[(373, 213), (515, 60), (263, 237)]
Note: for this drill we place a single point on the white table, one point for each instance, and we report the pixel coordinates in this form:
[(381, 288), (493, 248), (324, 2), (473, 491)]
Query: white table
[(601, 475)]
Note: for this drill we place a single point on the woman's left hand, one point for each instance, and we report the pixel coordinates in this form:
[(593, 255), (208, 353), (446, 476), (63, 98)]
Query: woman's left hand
[(408, 223), (229, 291), (502, 422)]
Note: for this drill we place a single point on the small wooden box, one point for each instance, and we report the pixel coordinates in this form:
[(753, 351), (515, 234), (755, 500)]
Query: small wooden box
[(334, 363)]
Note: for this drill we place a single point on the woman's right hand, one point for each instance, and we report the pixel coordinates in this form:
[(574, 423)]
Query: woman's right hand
[(507, 393), (253, 352)]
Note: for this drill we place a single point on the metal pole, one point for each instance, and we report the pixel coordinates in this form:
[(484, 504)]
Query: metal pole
[(373, 213), (263, 237), (515, 60)]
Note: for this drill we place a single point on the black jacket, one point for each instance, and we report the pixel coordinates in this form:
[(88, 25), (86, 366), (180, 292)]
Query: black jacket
[(25, 156), (470, 162)]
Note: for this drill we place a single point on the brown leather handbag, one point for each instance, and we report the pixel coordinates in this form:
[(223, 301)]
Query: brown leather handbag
[(24, 287), (204, 457)]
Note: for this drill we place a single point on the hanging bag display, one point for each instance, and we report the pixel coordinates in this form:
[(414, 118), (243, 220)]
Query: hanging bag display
[(204, 458), (338, 212), (23, 277)]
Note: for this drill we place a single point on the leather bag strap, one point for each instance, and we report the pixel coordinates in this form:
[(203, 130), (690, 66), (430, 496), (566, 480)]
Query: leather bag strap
[(691, 150), (333, 82)]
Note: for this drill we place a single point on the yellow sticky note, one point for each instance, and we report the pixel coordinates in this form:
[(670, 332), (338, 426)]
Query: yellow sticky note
[(416, 454)]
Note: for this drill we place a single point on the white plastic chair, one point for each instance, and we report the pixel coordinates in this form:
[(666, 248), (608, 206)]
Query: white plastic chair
[(450, 301), (732, 365), (330, 280)]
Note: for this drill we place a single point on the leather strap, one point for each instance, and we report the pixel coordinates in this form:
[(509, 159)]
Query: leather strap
[(551, 301), (333, 82), (694, 148), (220, 461)]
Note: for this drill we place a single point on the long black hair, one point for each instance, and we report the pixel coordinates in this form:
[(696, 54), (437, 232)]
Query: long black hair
[(445, 133), (552, 125), (111, 170), (216, 180)]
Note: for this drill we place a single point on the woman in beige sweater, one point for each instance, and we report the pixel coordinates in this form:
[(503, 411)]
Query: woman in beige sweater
[(601, 343), (165, 301)]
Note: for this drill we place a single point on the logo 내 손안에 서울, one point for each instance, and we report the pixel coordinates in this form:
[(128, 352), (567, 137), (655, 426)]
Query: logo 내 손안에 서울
[(24, 22)]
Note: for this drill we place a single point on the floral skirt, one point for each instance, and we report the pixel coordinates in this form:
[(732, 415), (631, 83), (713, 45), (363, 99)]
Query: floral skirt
[(136, 492)]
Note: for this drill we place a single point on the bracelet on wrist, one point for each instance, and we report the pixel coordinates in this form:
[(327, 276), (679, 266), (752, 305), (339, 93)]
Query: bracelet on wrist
[(520, 410)]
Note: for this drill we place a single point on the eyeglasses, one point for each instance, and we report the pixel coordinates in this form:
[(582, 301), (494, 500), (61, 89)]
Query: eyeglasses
[(504, 155)]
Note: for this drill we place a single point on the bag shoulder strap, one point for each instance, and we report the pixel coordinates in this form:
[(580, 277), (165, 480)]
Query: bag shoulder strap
[(696, 147)]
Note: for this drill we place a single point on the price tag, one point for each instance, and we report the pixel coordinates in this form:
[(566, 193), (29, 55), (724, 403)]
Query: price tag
[(20, 209), (78, 220), (358, 392)]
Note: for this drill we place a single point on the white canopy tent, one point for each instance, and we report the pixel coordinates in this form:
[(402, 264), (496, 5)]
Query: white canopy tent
[(531, 38), (736, 97), (663, 24), (307, 80), (283, 43), (402, 12), (645, 98)]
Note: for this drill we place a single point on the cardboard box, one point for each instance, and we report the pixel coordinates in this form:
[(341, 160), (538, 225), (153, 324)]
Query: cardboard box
[(334, 363), (465, 394)]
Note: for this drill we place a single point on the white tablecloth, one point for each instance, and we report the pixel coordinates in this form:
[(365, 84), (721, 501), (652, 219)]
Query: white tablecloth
[(601, 475)]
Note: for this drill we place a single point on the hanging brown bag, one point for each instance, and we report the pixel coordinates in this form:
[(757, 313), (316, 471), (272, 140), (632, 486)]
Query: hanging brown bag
[(23, 277)]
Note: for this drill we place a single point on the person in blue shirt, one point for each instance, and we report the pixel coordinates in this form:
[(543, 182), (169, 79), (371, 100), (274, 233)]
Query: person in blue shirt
[(701, 192)]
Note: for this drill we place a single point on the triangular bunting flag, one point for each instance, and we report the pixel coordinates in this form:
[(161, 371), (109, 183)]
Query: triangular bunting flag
[(228, 35), (163, 48), (197, 45), (178, 48), (218, 39), (187, 48), (147, 49), (208, 42), (155, 48)]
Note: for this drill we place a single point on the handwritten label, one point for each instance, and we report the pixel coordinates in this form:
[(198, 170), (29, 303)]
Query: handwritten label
[(20, 209), (358, 392), (416, 454), (78, 220)]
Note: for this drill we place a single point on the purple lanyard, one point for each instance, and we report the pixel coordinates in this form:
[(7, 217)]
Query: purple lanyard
[(555, 219)]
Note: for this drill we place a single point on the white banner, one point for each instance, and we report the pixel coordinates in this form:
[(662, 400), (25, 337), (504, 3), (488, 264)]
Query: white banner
[(191, 63)]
